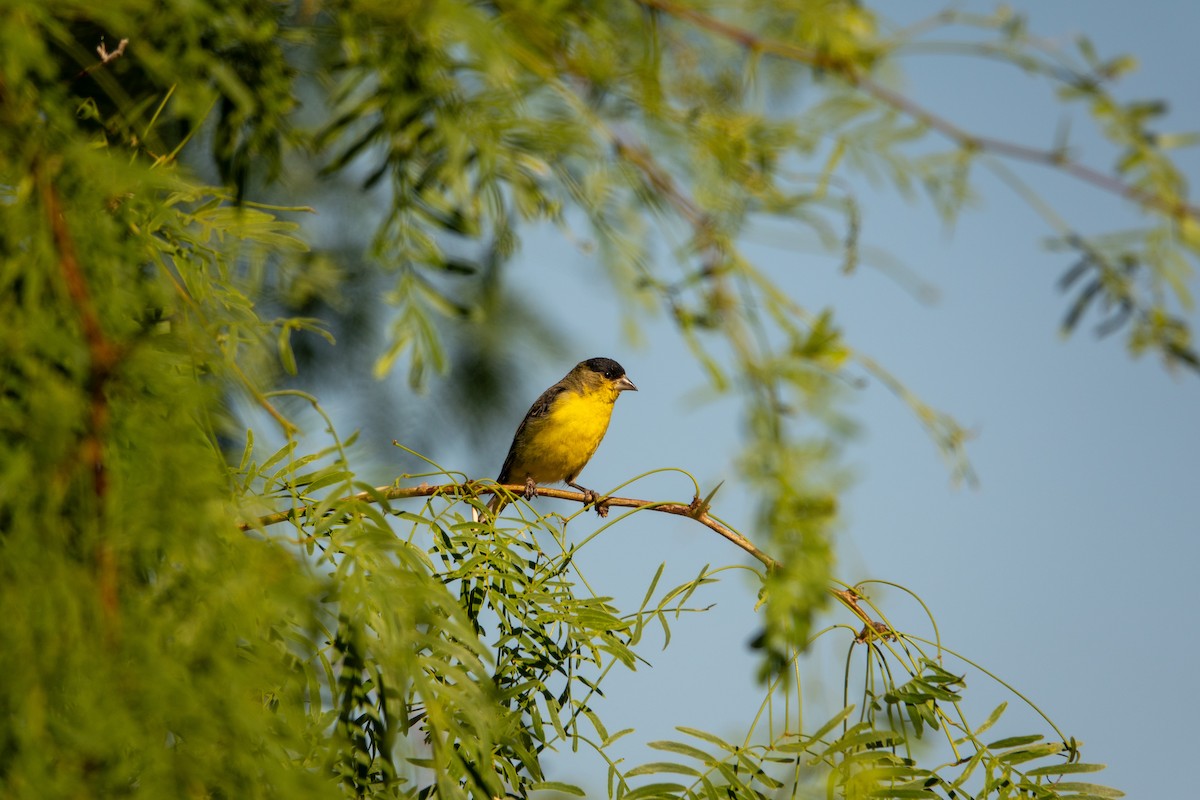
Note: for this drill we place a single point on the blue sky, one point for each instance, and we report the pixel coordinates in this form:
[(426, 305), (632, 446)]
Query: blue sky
[(1070, 570)]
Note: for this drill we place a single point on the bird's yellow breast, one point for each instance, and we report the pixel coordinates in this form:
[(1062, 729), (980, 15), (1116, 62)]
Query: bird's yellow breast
[(556, 446)]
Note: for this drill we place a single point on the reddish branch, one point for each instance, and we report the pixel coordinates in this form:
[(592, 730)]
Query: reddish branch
[(694, 510), (103, 356)]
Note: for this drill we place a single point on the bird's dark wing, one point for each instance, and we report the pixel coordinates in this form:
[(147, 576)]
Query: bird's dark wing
[(540, 408)]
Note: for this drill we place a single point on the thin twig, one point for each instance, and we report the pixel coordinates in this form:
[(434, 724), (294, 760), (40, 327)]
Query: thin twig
[(106, 57)]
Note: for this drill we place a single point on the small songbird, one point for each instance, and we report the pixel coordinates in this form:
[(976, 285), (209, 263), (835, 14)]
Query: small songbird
[(563, 429)]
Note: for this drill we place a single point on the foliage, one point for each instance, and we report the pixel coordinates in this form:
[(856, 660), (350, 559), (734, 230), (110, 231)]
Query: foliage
[(165, 640)]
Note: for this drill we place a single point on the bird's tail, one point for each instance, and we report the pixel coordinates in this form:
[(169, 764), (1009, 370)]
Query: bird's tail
[(495, 506)]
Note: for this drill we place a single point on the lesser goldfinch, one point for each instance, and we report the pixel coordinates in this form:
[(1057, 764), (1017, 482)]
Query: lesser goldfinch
[(563, 429)]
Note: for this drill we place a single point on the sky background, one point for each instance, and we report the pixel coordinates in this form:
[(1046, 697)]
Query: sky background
[(1070, 571)]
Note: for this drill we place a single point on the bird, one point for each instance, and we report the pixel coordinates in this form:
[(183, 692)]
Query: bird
[(563, 428)]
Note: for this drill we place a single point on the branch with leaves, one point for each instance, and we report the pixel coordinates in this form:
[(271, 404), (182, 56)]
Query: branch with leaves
[(1132, 276), (503, 576), (853, 72), (697, 509)]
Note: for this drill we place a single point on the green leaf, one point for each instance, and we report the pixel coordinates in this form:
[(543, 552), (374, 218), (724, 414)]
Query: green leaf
[(708, 737), (1171, 141), (656, 767), (1014, 741), (556, 786), (683, 750), (870, 739), (1088, 789), (653, 583), (1064, 769), (1022, 754), (618, 735), (601, 731), (655, 791), (833, 722), (991, 719)]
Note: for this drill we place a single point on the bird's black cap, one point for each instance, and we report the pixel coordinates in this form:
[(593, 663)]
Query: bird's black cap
[(606, 367)]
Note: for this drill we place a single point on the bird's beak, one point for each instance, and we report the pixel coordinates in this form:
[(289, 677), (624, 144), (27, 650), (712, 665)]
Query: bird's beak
[(623, 384)]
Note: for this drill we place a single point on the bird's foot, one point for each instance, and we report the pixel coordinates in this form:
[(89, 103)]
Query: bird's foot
[(591, 498), (530, 488)]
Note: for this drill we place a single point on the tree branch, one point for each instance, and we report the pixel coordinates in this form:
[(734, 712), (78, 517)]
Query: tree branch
[(850, 72), (102, 354), (103, 357), (694, 510)]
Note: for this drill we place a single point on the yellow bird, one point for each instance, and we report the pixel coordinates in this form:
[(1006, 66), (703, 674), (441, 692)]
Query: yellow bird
[(563, 429)]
